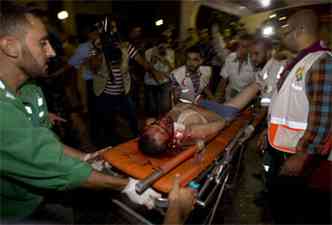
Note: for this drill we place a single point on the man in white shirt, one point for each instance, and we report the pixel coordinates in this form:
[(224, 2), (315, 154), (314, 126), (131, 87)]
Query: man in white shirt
[(237, 72), (267, 68), (191, 80)]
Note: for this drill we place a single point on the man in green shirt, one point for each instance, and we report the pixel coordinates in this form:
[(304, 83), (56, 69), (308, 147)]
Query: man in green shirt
[(32, 160)]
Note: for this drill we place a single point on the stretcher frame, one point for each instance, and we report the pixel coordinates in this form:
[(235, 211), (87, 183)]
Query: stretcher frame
[(218, 177)]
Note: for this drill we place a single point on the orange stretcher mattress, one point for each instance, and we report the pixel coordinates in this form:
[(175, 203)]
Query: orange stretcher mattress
[(128, 158)]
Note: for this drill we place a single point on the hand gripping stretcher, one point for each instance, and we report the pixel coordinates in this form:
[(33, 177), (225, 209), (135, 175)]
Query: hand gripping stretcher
[(208, 174)]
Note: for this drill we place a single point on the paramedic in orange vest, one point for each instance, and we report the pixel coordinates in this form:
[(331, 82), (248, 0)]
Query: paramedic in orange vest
[(300, 124)]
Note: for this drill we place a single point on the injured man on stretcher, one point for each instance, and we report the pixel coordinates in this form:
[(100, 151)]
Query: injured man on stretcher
[(186, 124)]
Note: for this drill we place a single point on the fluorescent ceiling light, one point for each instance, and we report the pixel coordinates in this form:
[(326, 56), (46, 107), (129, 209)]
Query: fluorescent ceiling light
[(268, 31), (265, 3), (63, 15), (282, 18), (272, 16), (159, 22), (284, 26)]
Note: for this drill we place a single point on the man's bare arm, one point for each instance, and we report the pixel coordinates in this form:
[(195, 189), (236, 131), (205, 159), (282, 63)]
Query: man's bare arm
[(99, 180), (220, 93), (203, 132), (96, 179), (69, 151), (244, 97)]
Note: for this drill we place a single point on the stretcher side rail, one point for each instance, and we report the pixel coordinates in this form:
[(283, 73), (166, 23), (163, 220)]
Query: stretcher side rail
[(220, 170), (219, 173), (215, 176)]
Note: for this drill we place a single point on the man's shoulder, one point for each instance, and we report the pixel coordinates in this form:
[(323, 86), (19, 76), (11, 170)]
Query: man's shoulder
[(30, 87), (148, 53), (231, 57), (273, 63), (10, 114), (327, 55), (324, 62), (179, 70), (205, 70)]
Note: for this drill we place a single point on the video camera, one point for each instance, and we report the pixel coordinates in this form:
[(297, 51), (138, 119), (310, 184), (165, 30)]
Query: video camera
[(110, 40)]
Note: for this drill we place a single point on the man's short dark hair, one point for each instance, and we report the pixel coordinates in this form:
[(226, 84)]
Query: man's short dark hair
[(194, 49), (13, 20), (149, 146)]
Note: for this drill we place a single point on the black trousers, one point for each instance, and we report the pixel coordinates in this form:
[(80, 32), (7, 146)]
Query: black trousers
[(291, 199), (107, 107)]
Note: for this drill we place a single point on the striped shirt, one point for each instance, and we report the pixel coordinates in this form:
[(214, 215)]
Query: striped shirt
[(116, 87)]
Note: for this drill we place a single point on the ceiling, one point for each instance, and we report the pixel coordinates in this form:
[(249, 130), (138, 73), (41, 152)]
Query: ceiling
[(248, 7)]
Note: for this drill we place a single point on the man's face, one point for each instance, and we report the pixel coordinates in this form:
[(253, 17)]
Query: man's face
[(35, 49), (288, 36), (193, 62), (159, 130), (258, 55), (135, 33), (162, 49), (243, 49), (114, 27)]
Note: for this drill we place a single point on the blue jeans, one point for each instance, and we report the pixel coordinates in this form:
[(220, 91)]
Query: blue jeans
[(227, 112)]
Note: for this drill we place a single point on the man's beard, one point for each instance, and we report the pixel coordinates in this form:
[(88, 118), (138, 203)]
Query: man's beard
[(30, 66)]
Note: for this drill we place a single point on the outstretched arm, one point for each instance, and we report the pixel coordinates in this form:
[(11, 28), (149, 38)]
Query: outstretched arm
[(98, 180), (244, 97), (203, 132)]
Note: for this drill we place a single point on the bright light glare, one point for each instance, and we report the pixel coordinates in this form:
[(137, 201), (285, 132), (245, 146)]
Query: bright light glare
[(268, 31), (159, 22), (284, 26), (272, 16), (265, 3), (282, 18), (63, 15)]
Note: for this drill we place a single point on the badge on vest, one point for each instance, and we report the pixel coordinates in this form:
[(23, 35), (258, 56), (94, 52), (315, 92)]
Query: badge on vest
[(299, 73)]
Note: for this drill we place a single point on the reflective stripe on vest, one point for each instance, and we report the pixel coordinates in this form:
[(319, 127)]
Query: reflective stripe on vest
[(289, 109)]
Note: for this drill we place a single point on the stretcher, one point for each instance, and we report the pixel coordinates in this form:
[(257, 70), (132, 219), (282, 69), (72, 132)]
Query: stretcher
[(207, 172)]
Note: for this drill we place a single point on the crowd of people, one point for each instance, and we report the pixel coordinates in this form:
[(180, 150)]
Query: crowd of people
[(57, 96)]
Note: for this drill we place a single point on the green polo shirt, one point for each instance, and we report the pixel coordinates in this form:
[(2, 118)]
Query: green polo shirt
[(32, 160), (35, 104)]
